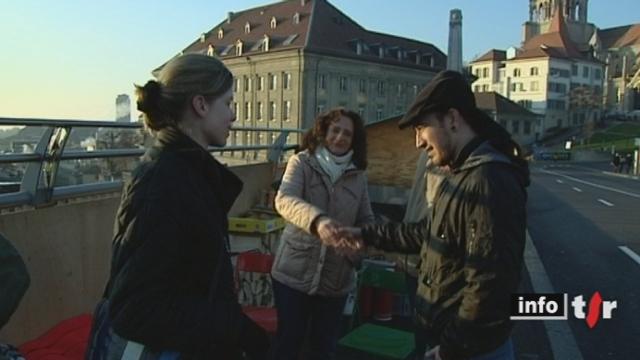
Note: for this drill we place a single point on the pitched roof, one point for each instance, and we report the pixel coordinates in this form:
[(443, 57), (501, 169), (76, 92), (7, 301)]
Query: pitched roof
[(492, 101), (322, 28), (554, 44), (492, 55), (620, 36)]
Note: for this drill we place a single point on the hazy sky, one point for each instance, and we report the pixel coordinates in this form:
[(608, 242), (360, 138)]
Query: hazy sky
[(68, 59)]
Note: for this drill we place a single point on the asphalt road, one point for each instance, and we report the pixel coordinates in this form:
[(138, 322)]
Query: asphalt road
[(584, 226)]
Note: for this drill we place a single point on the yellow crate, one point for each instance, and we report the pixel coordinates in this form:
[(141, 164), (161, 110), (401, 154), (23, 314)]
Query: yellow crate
[(255, 224)]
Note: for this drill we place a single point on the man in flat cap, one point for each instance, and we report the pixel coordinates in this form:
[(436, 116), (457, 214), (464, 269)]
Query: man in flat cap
[(471, 245)]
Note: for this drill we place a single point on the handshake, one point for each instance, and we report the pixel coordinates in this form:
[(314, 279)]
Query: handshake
[(346, 240)]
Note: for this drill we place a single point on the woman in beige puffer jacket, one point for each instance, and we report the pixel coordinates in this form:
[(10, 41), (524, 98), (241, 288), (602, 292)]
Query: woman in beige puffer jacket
[(323, 187)]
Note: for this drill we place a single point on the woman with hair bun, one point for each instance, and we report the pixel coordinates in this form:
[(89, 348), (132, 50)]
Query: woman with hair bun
[(170, 294)]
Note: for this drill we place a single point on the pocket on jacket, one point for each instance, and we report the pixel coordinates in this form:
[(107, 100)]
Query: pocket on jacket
[(295, 259)]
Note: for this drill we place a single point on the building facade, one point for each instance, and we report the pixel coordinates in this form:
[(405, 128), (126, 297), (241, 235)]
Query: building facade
[(566, 70), (295, 59)]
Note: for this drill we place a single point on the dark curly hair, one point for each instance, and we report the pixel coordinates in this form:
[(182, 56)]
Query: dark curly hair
[(317, 134)]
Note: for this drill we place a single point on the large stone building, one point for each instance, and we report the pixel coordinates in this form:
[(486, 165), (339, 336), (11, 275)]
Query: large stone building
[(294, 59), (567, 69)]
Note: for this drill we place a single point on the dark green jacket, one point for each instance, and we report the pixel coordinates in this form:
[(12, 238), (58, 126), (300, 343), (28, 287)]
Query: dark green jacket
[(471, 253), (14, 280)]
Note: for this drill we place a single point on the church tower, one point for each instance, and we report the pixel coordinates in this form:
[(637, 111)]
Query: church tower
[(575, 14)]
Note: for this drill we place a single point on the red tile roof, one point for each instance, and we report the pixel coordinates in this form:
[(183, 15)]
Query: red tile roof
[(322, 29), (492, 55), (620, 36), (555, 44)]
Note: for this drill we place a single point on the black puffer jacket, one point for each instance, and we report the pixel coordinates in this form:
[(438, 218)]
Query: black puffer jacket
[(171, 285), (471, 251)]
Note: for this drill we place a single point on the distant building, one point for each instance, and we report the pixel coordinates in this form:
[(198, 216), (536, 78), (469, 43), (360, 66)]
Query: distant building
[(517, 120), (123, 108), (567, 69), (295, 59)]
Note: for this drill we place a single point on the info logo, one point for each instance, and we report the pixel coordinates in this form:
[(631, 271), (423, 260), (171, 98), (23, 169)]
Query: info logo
[(555, 307)]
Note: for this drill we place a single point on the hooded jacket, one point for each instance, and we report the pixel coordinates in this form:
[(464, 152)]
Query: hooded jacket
[(471, 249)]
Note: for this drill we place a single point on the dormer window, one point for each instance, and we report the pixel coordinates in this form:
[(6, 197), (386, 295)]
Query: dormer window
[(274, 22), (220, 33), (239, 48), (296, 18), (247, 28), (211, 50), (266, 42), (203, 36)]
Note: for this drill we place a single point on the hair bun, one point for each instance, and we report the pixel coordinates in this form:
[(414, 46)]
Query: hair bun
[(151, 92)]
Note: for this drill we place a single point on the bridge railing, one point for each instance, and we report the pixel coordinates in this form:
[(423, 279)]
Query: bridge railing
[(45, 160)]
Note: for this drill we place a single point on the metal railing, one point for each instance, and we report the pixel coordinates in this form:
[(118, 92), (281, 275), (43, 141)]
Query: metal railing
[(37, 185)]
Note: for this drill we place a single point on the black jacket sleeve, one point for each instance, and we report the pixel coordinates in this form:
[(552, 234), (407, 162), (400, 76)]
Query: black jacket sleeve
[(397, 237), (495, 235), (14, 280)]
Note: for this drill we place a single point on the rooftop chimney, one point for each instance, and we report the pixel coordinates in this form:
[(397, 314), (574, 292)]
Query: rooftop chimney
[(229, 17)]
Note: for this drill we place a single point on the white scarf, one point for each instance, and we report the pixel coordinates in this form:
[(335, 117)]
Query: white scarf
[(333, 165)]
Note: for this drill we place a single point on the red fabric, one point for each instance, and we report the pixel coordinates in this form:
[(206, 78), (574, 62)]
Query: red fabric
[(67, 340), (266, 317)]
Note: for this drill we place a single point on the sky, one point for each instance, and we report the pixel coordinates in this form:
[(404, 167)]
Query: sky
[(69, 59)]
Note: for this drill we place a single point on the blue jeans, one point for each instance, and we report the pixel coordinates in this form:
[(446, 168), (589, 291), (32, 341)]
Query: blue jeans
[(298, 312)]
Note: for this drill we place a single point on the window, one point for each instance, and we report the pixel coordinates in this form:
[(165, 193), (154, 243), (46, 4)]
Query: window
[(236, 84), (211, 50), (296, 18), (260, 83), (585, 72), (415, 90), (247, 111), (516, 72), (535, 86), (556, 104), (514, 87), (272, 110), (247, 84), (220, 34), (527, 127), (534, 71), (362, 86), (286, 108), (361, 110), (485, 88), (597, 74), (597, 90), (557, 88), (515, 126), (485, 72), (320, 108), (236, 108), (399, 89), (286, 81), (259, 110), (343, 83), (477, 72), (238, 47), (379, 112), (322, 82), (525, 103), (574, 70), (274, 22), (380, 87), (273, 82), (555, 72), (476, 88), (247, 28)]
